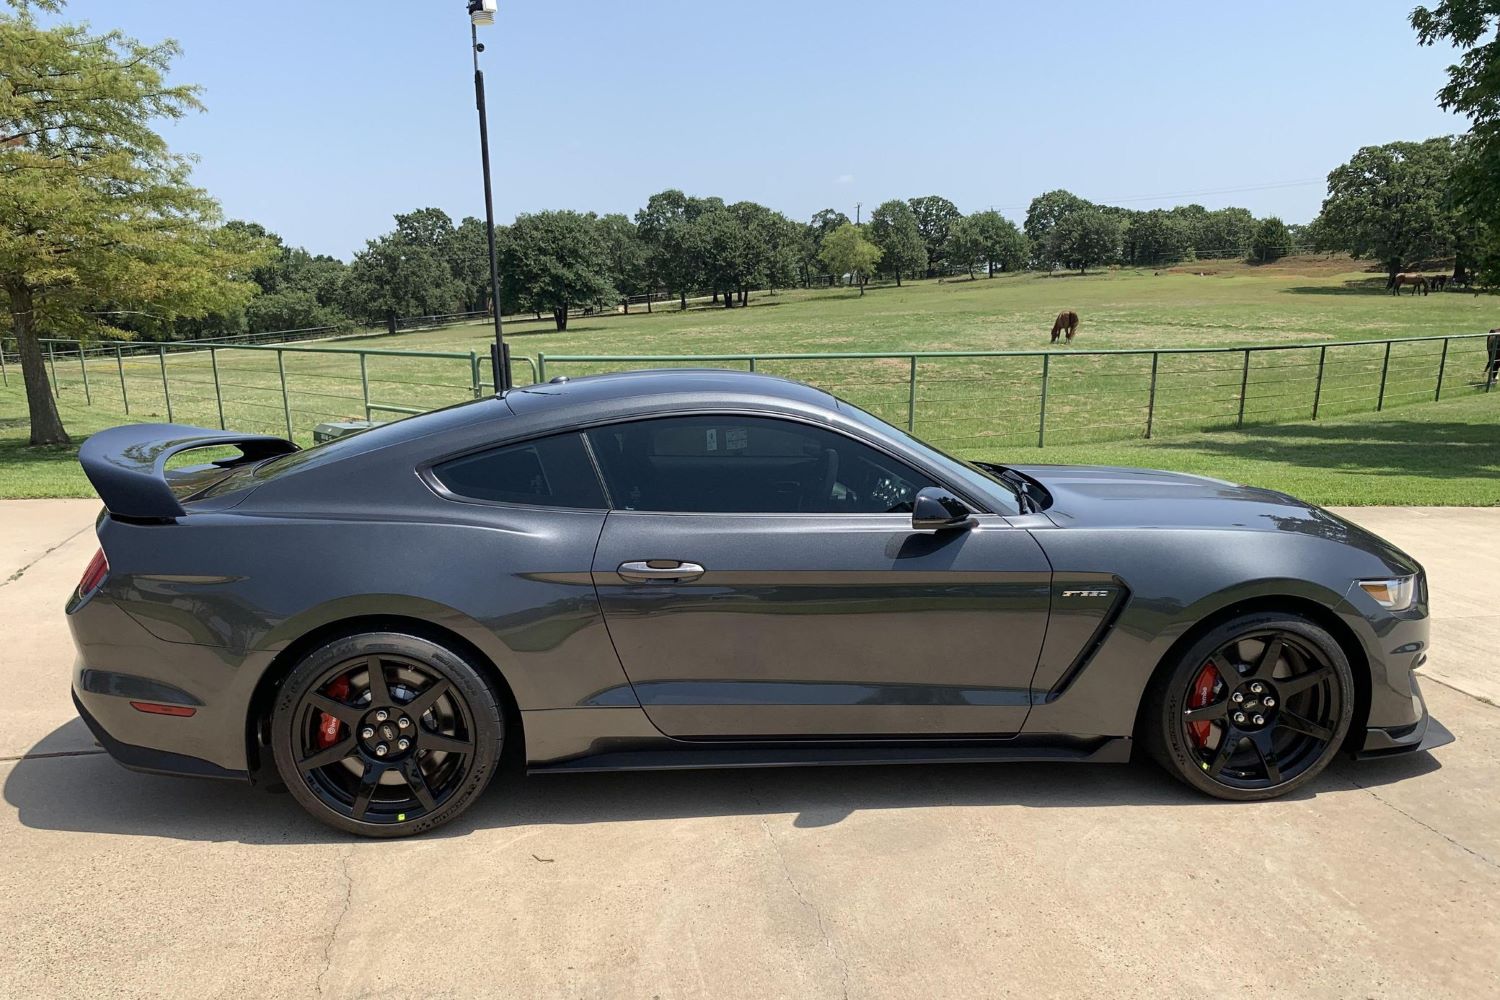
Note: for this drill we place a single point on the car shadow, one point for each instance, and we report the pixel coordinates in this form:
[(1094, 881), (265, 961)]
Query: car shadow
[(87, 792)]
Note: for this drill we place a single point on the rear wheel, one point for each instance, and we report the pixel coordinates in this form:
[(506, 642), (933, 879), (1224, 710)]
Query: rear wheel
[(1253, 709), (385, 735)]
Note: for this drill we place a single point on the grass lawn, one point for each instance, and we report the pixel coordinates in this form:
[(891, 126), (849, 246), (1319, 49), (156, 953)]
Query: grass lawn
[(1097, 405)]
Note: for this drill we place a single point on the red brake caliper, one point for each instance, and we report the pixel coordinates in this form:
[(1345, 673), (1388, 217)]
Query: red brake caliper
[(328, 726), (1201, 694)]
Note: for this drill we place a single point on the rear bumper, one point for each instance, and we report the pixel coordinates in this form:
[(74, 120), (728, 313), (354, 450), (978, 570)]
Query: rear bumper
[(148, 760)]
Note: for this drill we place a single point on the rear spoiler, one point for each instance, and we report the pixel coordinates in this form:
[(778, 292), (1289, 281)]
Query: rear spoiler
[(128, 465)]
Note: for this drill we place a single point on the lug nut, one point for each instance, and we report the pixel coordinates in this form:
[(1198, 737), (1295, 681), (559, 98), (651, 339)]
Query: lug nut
[(366, 733), (1260, 720), (1257, 688), (404, 723), (1269, 702), (1236, 697), (1239, 716), (382, 715), (402, 744), (380, 750)]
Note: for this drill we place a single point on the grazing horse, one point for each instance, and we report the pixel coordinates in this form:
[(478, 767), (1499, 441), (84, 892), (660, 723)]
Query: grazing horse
[(1416, 281), (1492, 351), (1067, 320), (1437, 282)]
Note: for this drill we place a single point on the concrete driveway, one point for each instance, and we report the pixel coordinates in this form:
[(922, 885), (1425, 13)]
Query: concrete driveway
[(1383, 880)]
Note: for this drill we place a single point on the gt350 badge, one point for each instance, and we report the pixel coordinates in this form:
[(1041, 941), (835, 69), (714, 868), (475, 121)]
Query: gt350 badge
[(1085, 593)]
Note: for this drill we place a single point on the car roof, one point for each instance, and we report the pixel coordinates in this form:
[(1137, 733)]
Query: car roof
[(683, 387)]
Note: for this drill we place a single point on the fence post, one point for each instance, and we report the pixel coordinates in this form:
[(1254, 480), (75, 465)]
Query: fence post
[(752, 362), (541, 367), (83, 366), (1385, 366), (213, 361), (1442, 364), (1244, 384), (286, 403), (473, 378), (4, 375), (1318, 389), (1041, 423), (124, 393), (1151, 400), (911, 397), (52, 357), (166, 390)]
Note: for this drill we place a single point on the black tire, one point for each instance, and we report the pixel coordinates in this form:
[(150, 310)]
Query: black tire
[(1215, 733), (432, 718)]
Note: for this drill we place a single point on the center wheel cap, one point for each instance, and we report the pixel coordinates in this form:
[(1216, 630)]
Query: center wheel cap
[(1252, 706), (387, 734)]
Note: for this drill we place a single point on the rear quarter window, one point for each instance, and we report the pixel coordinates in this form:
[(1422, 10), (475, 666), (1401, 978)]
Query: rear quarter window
[(548, 472)]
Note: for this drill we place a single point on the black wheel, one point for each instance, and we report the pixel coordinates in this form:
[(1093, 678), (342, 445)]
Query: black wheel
[(385, 735), (1255, 708)]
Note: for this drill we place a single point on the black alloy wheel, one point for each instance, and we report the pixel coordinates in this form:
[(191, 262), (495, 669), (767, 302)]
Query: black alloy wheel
[(1254, 709), (385, 734)]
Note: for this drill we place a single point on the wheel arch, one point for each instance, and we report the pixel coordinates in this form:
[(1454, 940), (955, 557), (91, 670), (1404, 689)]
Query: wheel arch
[(1319, 614), (258, 714)]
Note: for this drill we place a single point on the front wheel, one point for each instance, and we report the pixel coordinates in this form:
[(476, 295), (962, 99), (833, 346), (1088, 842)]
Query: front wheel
[(385, 734), (1253, 709)]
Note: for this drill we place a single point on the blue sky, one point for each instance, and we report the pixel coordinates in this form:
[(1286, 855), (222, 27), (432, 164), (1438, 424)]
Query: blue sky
[(325, 117)]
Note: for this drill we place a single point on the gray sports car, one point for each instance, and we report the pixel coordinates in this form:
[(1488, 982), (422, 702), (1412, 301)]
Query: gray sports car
[(712, 569)]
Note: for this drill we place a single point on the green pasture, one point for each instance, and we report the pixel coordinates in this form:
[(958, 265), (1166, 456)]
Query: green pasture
[(1097, 406)]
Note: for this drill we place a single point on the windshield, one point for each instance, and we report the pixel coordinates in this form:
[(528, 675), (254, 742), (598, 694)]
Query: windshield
[(967, 473)]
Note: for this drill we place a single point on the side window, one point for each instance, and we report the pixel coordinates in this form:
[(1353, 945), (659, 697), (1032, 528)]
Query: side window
[(756, 465), (548, 472)]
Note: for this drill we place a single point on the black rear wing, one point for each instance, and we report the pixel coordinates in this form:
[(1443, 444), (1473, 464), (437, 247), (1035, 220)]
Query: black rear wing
[(128, 465)]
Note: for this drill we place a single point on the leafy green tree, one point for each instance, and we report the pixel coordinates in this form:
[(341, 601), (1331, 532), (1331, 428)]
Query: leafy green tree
[(467, 249), (936, 216), (1156, 238), (627, 258), (991, 239), (893, 228), (1270, 241), (94, 206), (727, 258), (1225, 232), (557, 260), (1391, 203), (1085, 239), (407, 272), (1044, 213), (814, 234), (847, 252), (673, 257)]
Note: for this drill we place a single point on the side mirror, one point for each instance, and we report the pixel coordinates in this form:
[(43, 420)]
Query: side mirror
[(936, 509)]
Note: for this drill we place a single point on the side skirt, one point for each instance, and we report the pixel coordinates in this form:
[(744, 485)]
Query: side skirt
[(680, 755)]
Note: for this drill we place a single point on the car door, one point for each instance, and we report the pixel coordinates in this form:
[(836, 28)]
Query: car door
[(760, 577)]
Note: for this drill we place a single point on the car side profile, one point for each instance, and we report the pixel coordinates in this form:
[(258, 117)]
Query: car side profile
[(684, 568)]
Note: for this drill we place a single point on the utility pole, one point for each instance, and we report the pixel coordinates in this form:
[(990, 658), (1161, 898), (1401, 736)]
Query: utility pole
[(483, 12), (857, 206)]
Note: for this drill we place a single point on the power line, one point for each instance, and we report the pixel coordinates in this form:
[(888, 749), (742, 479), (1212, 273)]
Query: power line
[(1275, 185)]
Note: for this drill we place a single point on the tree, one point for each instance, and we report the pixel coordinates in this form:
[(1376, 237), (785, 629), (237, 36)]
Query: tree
[(893, 228), (989, 238), (467, 250), (94, 206), (1391, 203), (408, 272), (847, 252), (936, 216), (1270, 241), (1045, 212), (814, 234), (1155, 238), (627, 258), (1085, 239), (557, 260), (666, 227), (1225, 232)]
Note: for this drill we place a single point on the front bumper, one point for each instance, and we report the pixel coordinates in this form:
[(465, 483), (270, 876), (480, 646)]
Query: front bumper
[(1425, 734)]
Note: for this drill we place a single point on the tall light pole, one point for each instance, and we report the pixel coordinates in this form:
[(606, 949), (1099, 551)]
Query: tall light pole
[(483, 12)]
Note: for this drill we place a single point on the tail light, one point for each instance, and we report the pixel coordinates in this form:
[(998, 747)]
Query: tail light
[(98, 569)]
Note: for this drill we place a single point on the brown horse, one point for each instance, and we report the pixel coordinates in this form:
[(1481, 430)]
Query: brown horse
[(1437, 282), (1418, 282), (1067, 320)]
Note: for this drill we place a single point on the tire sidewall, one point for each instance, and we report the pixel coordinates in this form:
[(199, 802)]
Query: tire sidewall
[(1167, 740), (483, 707)]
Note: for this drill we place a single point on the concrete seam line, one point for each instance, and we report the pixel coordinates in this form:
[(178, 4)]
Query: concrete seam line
[(48, 756), (1454, 687), (1430, 829), (20, 572)]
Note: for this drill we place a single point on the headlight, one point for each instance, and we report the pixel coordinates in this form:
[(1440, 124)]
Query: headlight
[(1395, 594)]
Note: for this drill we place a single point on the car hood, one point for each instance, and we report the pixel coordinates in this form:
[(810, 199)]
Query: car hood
[(1108, 497)]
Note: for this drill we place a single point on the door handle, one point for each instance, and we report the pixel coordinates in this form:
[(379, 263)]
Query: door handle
[(659, 571)]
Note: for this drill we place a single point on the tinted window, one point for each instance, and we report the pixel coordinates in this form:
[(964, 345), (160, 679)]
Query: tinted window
[(758, 465), (550, 472)]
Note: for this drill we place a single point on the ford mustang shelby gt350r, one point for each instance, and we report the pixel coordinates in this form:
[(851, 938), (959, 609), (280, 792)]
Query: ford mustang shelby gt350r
[(707, 568)]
